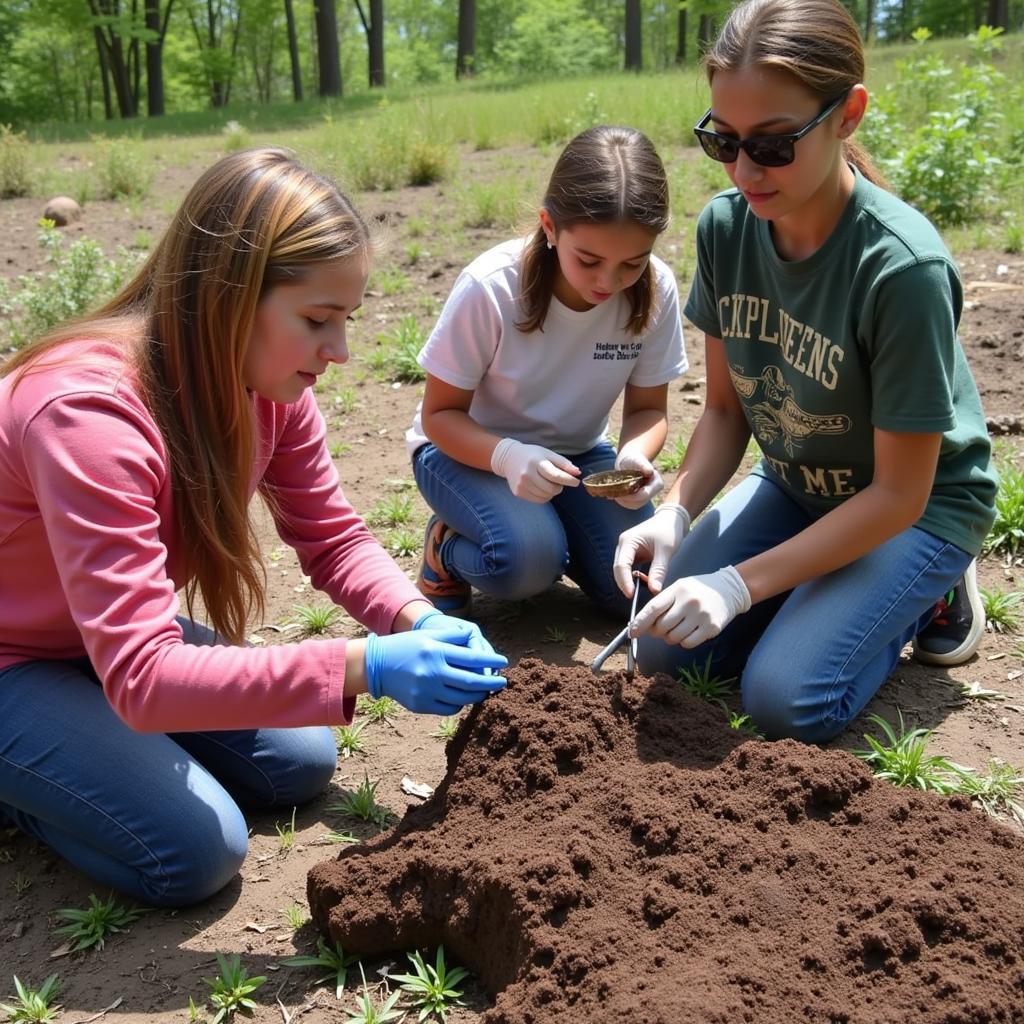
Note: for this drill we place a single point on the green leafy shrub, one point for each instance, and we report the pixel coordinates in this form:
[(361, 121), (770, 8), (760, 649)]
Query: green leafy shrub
[(76, 279), (428, 162), (122, 170), (15, 172), (936, 131)]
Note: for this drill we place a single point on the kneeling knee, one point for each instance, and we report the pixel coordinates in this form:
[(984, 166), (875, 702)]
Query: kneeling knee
[(201, 866), (783, 714), (525, 577)]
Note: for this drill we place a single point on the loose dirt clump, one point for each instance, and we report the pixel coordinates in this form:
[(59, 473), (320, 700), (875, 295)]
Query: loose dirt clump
[(604, 849)]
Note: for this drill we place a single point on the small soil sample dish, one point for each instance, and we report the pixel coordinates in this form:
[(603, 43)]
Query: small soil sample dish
[(614, 483)]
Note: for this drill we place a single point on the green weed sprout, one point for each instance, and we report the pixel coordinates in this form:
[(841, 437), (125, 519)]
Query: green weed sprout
[(446, 728), (739, 721), (1001, 609), (394, 356), (286, 834), (362, 803), (335, 960), (33, 1004), (383, 709), (340, 837), (366, 1013), (296, 916), (1007, 533), (555, 635), (231, 991), (394, 510), (996, 790), (701, 683), (316, 618), (402, 542), (904, 762), (94, 925), (349, 739), (432, 989), (671, 458)]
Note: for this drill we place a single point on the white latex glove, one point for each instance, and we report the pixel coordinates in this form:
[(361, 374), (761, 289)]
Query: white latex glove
[(694, 609), (534, 473), (630, 458), (654, 540)]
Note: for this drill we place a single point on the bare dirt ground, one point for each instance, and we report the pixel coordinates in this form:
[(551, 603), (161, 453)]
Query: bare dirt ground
[(150, 972)]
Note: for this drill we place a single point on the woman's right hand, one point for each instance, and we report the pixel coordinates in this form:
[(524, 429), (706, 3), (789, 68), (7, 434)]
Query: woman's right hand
[(431, 671), (533, 472), (654, 540)]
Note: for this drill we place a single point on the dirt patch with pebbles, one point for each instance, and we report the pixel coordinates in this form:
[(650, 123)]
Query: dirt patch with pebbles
[(604, 849)]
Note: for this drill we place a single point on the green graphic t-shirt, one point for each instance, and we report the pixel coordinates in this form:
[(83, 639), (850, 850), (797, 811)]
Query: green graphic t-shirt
[(861, 335)]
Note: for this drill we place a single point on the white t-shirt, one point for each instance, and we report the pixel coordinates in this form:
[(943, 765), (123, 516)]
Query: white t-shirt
[(553, 387)]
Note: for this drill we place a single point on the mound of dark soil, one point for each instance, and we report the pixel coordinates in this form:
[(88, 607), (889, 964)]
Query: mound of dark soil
[(605, 850)]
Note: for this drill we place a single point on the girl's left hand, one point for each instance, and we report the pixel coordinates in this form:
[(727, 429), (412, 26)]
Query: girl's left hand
[(631, 459), (694, 609)]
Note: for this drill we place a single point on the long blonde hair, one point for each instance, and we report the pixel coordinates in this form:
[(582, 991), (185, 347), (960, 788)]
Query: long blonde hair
[(815, 41), (604, 175), (255, 219)]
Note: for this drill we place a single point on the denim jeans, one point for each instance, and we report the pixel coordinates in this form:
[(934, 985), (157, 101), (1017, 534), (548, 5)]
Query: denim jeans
[(812, 658), (512, 548), (155, 816)]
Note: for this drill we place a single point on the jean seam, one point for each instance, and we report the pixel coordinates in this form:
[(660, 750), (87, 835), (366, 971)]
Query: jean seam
[(77, 797), (248, 761), (829, 718)]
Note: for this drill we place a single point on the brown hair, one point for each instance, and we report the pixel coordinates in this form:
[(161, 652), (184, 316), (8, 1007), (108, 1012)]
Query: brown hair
[(815, 41), (605, 174), (255, 219)]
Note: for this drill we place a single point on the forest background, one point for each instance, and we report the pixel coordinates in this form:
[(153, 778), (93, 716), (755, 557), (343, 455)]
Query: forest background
[(81, 62)]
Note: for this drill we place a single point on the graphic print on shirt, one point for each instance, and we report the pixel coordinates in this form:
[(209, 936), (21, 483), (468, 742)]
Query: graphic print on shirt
[(618, 350), (778, 412)]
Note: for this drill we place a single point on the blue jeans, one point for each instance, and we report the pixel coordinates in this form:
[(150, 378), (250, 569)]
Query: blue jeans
[(155, 816), (812, 658), (512, 548)]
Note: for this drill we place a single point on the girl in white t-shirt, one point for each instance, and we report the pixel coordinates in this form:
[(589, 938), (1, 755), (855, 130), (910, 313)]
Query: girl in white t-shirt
[(538, 339)]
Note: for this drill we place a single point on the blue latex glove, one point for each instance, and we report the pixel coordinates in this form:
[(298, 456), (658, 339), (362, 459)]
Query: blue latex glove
[(436, 620), (431, 671)]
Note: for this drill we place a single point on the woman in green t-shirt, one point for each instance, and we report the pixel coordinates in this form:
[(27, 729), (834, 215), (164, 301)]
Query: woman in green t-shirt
[(830, 312)]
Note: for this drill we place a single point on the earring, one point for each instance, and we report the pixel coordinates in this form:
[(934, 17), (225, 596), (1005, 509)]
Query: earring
[(551, 244)]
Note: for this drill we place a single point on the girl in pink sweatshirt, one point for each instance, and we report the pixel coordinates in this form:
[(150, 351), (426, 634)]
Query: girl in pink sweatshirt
[(131, 443)]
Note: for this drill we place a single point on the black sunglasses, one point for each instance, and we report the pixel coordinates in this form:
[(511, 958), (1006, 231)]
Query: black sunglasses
[(766, 150)]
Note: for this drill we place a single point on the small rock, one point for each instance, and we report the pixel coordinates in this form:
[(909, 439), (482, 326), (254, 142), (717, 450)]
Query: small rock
[(62, 210), (1005, 423)]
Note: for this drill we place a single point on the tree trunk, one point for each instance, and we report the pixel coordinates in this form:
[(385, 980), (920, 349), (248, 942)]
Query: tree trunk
[(101, 49), (681, 36), (869, 20), (467, 39), (705, 32), (328, 56), (999, 14), (374, 29), (634, 40), (377, 77), (155, 58), (112, 58), (119, 72), (293, 51)]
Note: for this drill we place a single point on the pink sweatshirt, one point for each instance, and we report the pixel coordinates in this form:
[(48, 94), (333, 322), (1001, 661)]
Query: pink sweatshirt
[(90, 560)]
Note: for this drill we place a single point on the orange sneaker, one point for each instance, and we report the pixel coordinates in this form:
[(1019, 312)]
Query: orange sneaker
[(445, 592)]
